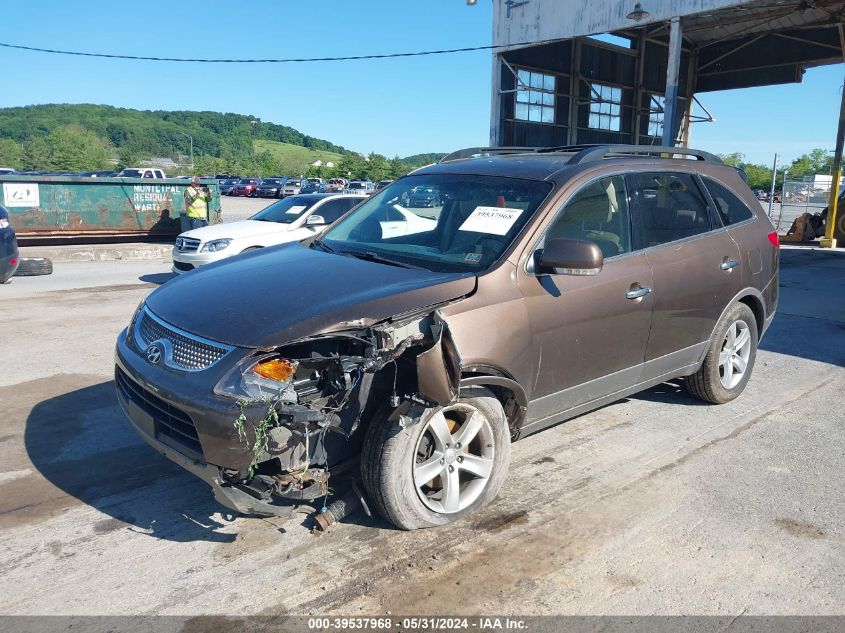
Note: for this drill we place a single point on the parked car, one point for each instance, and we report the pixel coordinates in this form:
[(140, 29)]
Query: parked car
[(141, 172), (245, 187), (293, 186), (226, 186), (6, 171), (383, 183), (9, 257), (337, 184), (270, 188), (289, 220), (360, 186), (424, 197), (551, 284), (314, 186)]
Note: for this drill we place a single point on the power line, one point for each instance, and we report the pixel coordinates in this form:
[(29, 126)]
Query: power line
[(289, 60)]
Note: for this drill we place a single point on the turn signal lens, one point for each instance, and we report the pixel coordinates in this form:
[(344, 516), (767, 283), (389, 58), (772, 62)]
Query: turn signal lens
[(773, 238), (277, 369)]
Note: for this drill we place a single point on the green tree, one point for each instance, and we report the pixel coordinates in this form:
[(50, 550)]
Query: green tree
[(36, 154), (11, 154), (818, 161), (734, 160), (396, 168), (128, 156), (73, 148)]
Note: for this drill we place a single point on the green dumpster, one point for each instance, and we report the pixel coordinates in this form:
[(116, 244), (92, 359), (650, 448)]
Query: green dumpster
[(61, 207)]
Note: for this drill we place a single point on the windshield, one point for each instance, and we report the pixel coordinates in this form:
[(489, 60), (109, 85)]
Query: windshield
[(465, 223), (356, 185), (131, 173), (247, 181), (285, 211), (271, 181)]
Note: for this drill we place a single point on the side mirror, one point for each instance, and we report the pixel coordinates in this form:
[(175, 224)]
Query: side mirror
[(568, 257), (315, 220)]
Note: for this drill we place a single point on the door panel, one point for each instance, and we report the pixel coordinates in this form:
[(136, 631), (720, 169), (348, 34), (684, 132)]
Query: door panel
[(591, 331), (697, 270), (587, 331)]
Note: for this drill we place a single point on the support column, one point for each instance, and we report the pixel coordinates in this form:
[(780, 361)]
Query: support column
[(671, 108), (829, 239), (574, 89), (496, 104)]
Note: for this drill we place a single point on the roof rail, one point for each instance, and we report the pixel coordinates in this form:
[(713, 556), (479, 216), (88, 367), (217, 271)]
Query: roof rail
[(469, 152), (598, 152), (584, 153)]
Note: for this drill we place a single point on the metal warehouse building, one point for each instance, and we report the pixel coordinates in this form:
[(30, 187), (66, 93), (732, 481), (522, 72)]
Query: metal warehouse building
[(556, 83)]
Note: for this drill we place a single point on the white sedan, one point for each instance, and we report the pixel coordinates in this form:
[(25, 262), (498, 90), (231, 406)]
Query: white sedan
[(292, 219)]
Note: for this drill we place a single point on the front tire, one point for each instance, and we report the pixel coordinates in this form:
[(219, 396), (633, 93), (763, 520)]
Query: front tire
[(451, 462), (730, 359)]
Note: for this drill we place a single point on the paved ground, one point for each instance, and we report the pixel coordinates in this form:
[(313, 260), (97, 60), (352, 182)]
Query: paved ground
[(655, 504)]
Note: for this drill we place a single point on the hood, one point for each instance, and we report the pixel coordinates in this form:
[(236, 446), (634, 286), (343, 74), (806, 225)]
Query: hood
[(234, 230), (275, 295)]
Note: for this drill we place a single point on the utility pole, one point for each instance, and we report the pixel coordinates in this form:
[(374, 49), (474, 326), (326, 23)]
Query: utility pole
[(772, 190), (191, 139), (829, 239)]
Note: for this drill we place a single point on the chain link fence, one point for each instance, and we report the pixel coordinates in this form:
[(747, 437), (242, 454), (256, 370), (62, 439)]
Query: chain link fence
[(809, 194)]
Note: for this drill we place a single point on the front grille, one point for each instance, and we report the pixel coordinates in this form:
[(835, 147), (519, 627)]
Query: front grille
[(173, 426), (187, 245), (183, 265), (181, 350)]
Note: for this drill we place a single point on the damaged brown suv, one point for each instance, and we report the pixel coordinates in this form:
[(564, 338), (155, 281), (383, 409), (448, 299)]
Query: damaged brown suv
[(411, 344)]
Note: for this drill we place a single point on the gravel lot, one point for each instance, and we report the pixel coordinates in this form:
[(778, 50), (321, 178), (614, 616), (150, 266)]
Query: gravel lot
[(655, 504), (237, 208)]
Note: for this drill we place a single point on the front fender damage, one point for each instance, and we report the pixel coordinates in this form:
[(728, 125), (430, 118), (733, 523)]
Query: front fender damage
[(314, 430)]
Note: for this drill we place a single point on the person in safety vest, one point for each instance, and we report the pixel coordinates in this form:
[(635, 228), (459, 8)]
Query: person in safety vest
[(196, 206)]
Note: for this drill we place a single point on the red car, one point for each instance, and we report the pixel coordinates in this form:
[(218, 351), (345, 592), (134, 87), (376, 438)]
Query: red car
[(246, 187)]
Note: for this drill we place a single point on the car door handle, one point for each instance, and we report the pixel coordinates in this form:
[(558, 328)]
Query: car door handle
[(728, 264), (637, 293)]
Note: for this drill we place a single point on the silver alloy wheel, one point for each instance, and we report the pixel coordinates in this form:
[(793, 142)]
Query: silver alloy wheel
[(734, 355), (453, 458)]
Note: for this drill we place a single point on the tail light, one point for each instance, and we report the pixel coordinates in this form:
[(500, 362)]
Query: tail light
[(12, 262), (773, 238)]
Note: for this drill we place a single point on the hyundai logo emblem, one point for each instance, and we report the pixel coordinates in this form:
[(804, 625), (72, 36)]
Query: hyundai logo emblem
[(154, 353)]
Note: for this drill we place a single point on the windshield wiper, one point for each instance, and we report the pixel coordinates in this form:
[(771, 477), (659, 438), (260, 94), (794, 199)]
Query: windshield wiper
[(374, 257), (321, 244)]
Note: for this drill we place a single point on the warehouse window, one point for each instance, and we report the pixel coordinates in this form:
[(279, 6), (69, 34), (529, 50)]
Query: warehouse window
[(535, 97), (605, 107), (655, 115)]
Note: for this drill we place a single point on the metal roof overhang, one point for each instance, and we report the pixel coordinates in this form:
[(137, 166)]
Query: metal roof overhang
[(758, 43)]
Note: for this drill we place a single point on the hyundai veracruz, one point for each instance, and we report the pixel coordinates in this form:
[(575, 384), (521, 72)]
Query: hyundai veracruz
[(540, 285)]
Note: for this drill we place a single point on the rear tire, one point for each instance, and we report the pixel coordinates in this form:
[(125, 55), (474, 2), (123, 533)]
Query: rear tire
[(730, 358), (33, 266), (464, 475)]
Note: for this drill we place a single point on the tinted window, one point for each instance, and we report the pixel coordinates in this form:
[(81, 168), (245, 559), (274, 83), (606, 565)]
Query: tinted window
[(669, 206), (731, 209), (598, 213), (333, 209)]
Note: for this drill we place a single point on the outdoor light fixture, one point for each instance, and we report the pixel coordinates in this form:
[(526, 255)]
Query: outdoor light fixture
[(471, 3), (638, 13), (511, 4)]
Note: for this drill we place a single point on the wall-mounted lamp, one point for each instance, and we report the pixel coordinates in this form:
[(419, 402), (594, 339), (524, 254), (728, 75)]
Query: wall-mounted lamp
[(512, 4), (638, 13)]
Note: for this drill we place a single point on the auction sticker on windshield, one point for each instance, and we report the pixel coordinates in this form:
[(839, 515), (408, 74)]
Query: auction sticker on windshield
[(296, 210), (492, 220)]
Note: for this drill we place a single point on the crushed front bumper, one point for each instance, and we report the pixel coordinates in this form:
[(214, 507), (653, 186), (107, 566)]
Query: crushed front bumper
[(157, 413)]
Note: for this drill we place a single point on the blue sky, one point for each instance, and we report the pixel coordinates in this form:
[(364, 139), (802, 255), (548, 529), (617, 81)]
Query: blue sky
[(400, 106)]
